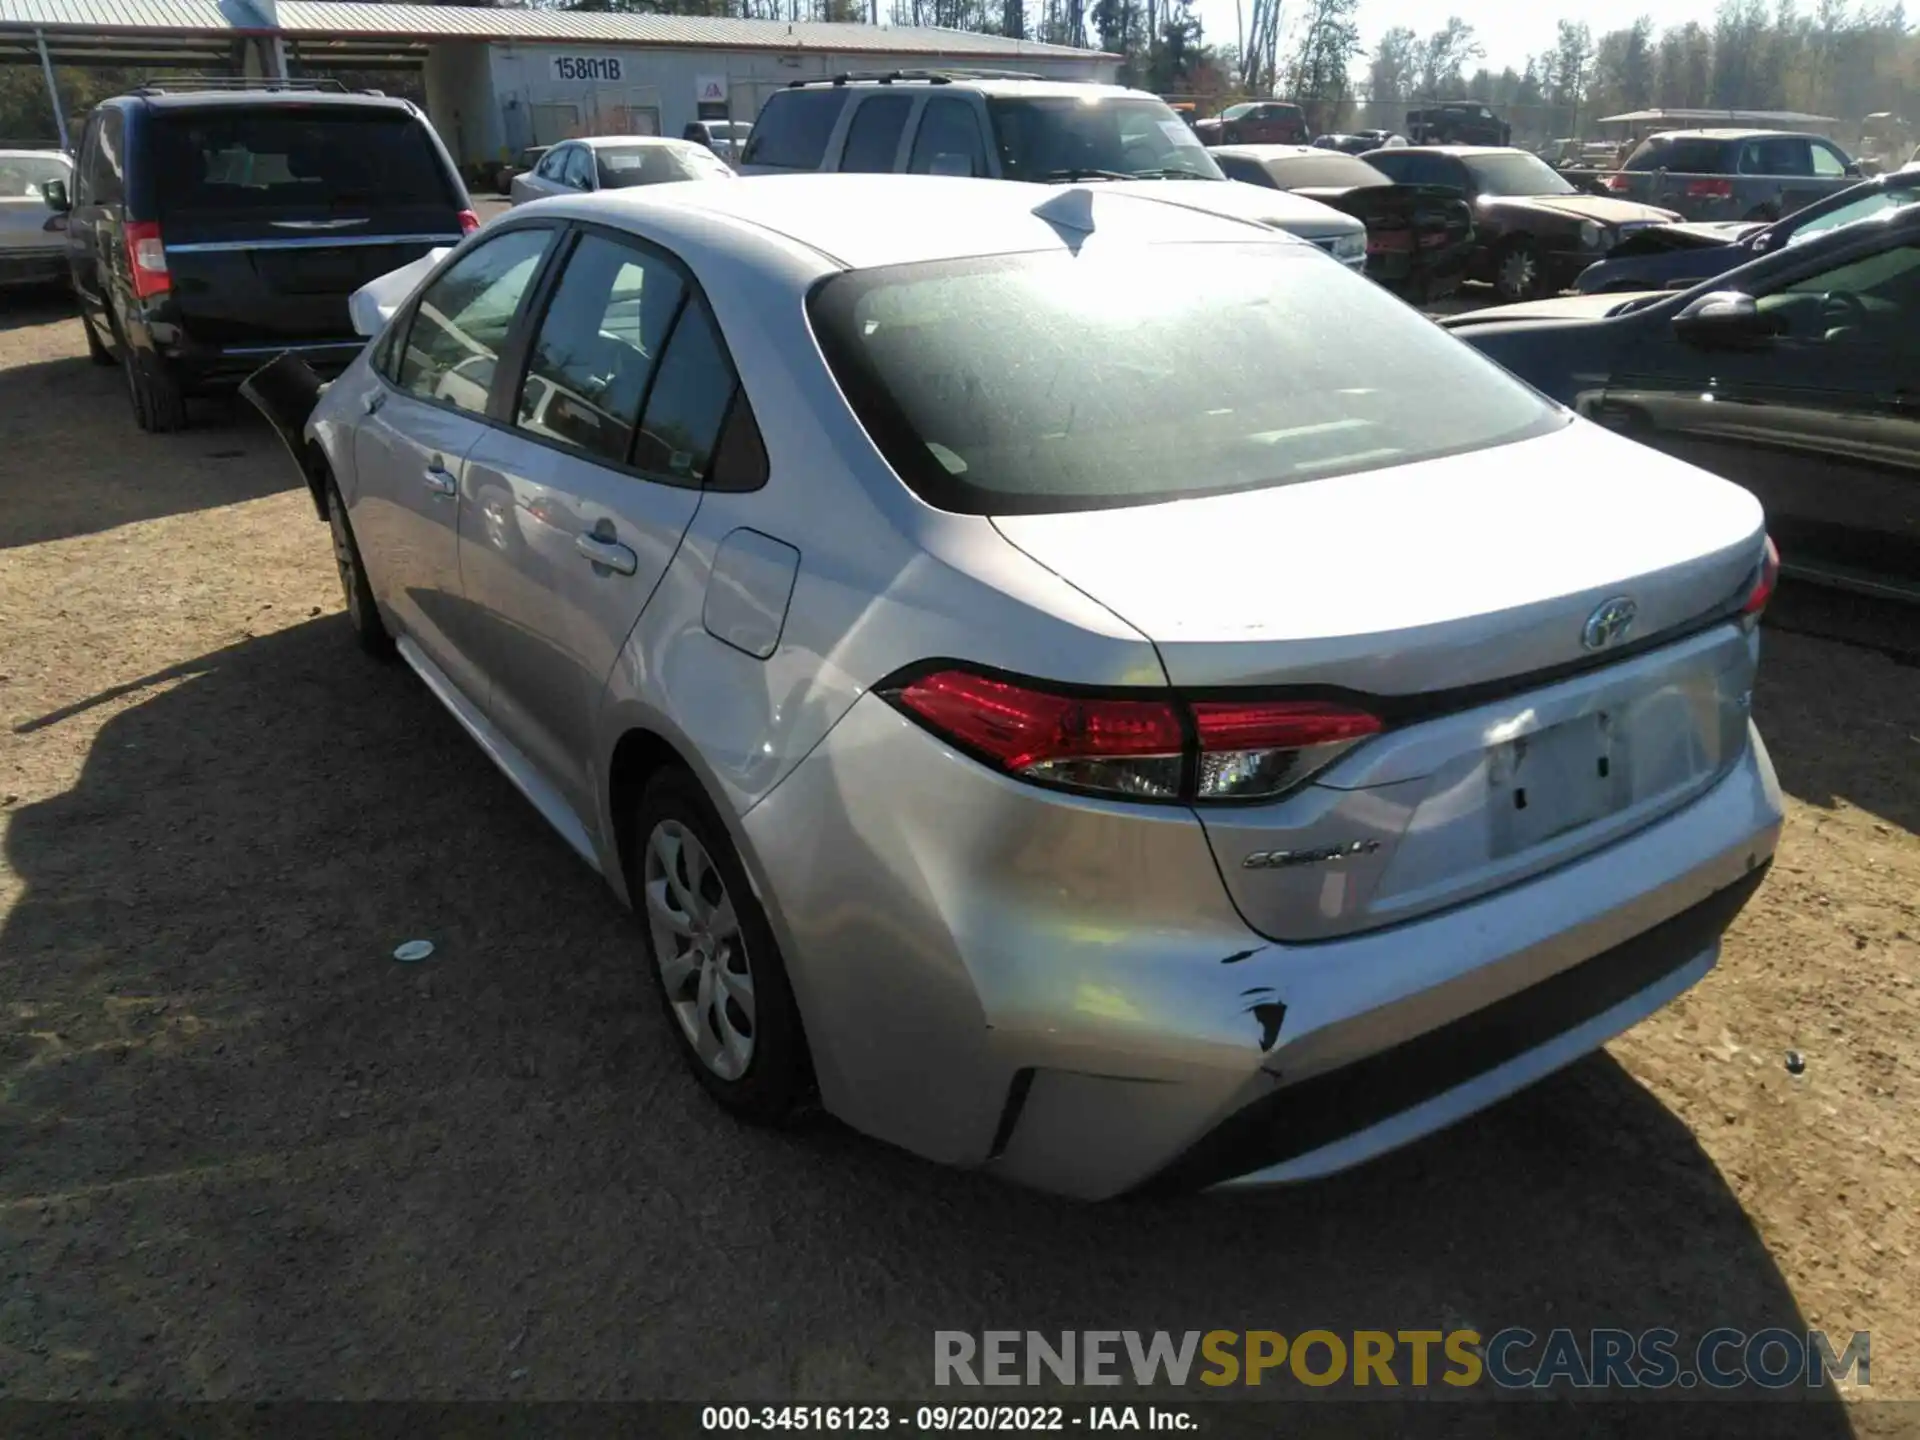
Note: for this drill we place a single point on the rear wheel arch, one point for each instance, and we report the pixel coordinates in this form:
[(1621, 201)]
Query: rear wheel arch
[(638, 756)]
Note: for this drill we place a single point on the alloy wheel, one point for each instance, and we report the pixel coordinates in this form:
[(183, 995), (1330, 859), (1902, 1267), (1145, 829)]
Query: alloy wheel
[(699, 948), (1517, 274)]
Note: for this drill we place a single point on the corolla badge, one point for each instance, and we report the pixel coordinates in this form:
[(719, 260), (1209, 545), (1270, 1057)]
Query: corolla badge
[(1609, 623), (1287, 859)]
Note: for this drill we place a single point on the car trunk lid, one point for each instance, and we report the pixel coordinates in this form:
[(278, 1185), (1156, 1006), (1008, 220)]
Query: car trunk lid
[(1478, 625)]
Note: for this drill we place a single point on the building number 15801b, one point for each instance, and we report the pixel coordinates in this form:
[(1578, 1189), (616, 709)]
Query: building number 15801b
[(586, 67)]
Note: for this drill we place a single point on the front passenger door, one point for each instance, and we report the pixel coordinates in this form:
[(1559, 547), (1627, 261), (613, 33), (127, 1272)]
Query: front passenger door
[(411, 444)]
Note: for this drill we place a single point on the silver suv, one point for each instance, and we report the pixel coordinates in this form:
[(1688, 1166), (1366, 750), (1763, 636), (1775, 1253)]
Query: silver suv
[(1005, 126)]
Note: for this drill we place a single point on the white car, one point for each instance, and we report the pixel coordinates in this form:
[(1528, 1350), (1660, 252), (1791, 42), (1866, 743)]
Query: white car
[(33, 238), (1101, 693), (616, 162)]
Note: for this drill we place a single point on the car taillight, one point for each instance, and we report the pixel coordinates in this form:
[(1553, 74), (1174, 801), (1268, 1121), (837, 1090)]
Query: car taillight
[(1389, 242), (147, 259), (1619, 184), (1150, 747), (1710, 189), (469, 222), (1764, 582), (1262, 747)]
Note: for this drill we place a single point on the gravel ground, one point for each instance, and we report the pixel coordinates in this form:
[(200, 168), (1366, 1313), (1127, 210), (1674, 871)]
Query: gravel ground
[(245, 1154)]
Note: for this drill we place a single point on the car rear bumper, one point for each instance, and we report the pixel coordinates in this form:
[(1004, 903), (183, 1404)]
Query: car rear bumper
[(1059, 990), (214, 367)]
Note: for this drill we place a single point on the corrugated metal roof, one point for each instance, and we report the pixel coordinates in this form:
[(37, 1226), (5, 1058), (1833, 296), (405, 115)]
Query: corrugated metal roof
[(341, 19)]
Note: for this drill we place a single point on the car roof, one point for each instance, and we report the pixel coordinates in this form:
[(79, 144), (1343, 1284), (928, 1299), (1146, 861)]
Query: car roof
[(862, 221), (253, 99), (994, 85), (598, 142), (1264, 153), (1460, 152), (1731, 135)]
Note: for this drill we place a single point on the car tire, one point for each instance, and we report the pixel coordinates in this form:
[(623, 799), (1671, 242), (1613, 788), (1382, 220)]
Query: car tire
[(714, 963), (100, 354), (1518, 272), (362, 613), (159, 405)]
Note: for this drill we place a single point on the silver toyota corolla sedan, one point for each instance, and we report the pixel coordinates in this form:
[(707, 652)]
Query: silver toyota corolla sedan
[(1094, 691)]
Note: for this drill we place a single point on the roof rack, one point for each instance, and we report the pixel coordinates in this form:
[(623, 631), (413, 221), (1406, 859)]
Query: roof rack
[(931, 77), (190, 83)]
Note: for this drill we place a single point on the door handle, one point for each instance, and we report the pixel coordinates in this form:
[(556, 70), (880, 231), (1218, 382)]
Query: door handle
[(375, 401), (610, 553), (438, 480)]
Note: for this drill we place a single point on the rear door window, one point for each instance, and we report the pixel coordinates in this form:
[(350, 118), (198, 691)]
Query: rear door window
[(948, 142), (460, 325), (794, 127), (873, 136), (239, 161), (597, 348), (688, 401)]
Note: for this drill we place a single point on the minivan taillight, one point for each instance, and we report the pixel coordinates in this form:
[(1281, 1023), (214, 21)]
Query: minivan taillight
[(1764, 582), (1133, 745), (147, 259), (469, 222), (1618, 184), (1710, 189)]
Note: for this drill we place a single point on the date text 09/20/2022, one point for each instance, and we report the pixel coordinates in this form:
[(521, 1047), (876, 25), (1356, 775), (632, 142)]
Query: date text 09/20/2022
[(928, 1419)]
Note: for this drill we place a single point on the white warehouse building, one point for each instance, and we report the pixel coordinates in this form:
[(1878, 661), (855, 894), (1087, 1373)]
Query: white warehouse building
[(498, 79)]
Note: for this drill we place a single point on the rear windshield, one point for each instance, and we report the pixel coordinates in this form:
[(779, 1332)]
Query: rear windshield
[(25, 177), (237, 161), (1066, 138), (1020, 385), (623, 166), (1692, 157)]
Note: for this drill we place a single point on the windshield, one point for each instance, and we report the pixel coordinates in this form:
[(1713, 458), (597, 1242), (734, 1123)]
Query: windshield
[(237, 160), (1329, 170), (1878, 203), (1053, 381), (1069, 138), (25, 177), (1515, 173)]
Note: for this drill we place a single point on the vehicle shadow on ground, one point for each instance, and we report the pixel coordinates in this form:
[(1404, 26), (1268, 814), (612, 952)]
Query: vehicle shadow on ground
[(76, 464), (1841, 673), (250, 1154)]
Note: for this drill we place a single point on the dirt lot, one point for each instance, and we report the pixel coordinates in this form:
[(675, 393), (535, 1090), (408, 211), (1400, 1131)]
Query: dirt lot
[(244, 1153)]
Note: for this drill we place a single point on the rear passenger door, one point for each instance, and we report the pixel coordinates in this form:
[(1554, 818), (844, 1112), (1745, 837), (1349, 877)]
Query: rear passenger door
[(576, 506), (411, 444)]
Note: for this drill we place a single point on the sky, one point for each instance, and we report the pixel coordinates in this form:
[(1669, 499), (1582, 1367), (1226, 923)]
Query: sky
[(1509, 30)]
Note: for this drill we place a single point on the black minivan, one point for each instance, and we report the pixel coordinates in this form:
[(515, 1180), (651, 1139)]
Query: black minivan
[(213, 230)]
